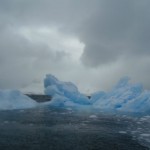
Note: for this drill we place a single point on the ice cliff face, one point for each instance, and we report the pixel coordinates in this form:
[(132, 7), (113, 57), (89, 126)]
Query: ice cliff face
[(125, 96)]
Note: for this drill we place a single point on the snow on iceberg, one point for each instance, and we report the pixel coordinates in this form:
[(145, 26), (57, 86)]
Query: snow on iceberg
[(125, 96), (63, 93), (14, 99)]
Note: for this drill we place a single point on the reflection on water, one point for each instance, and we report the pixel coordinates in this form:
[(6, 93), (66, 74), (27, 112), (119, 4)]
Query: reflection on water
[(65, 129)]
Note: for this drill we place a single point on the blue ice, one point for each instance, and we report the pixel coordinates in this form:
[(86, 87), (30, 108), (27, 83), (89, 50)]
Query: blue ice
[(64, 93), (14, 99), (124, 97)]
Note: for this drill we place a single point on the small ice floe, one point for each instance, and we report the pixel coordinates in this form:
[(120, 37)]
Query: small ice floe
[(143, 119), (148, 117), (70, 109), (93, 117)]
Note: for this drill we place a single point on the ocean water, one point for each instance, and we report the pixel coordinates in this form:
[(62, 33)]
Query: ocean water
[(53, 128)]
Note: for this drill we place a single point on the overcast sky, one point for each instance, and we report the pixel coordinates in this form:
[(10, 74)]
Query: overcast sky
[(92, 43)]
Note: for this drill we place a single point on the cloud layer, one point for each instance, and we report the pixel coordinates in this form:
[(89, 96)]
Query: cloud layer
[(92, 43)]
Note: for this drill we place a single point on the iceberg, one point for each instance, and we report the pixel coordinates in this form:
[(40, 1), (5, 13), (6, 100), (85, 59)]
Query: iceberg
[(14, 99), (64, 93), (124, 97)]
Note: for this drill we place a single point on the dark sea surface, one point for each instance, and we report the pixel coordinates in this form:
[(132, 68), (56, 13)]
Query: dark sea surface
[(65, 129)]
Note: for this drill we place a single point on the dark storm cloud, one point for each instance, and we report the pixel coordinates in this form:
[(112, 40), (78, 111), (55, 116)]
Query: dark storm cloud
[(120, 28)]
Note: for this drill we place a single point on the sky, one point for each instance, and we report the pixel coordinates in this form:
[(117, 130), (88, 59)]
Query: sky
[(90, 43)]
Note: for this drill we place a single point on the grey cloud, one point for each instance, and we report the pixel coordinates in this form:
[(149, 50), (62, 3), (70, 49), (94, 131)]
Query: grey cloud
[(43, 12), (20, 59), (115, 33), (120, 28)]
